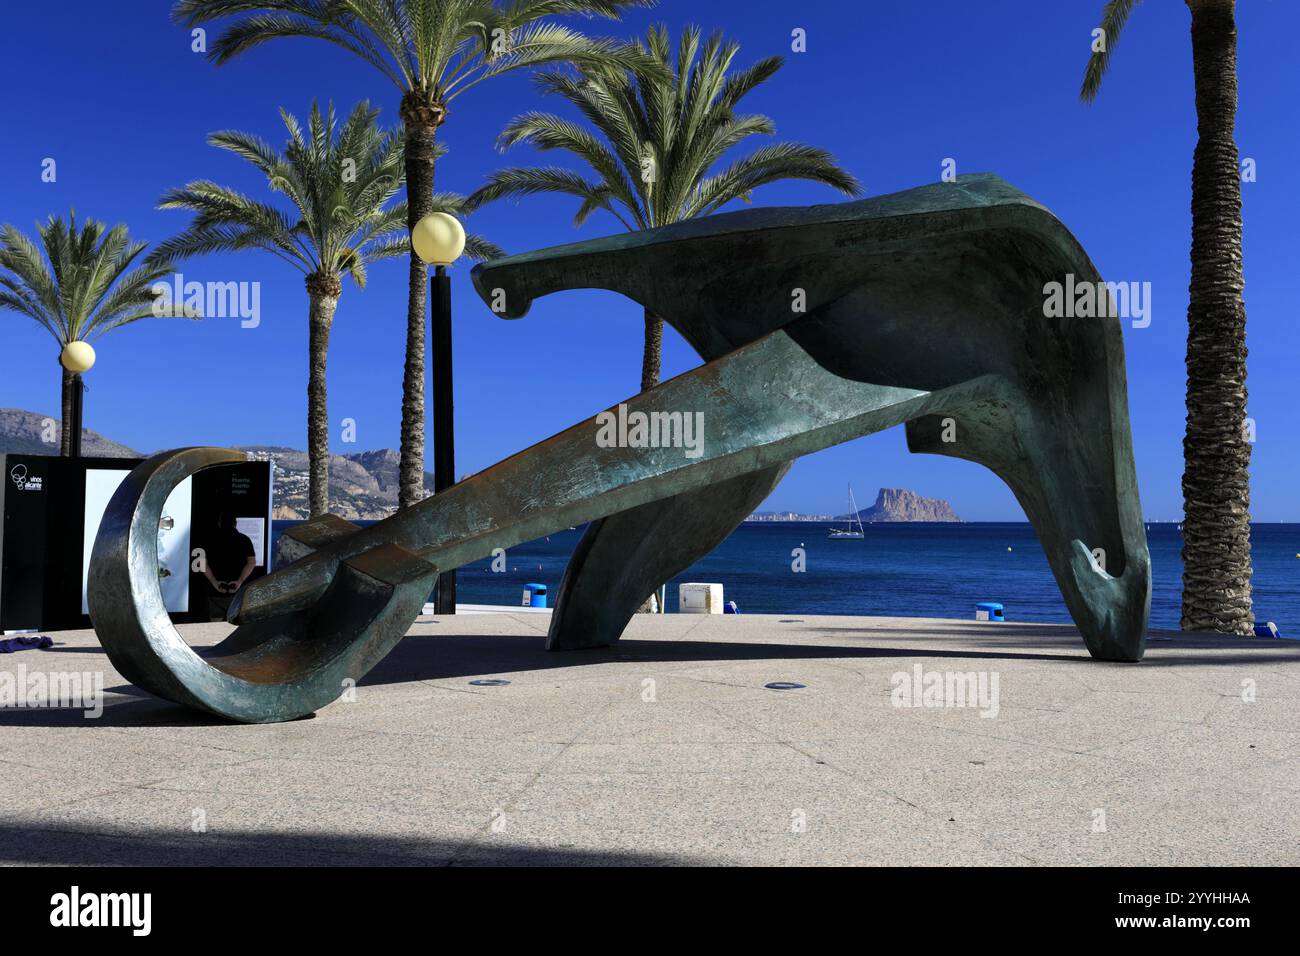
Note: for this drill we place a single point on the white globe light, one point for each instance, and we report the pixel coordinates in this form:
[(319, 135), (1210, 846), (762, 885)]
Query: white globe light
[(438, 238), (77, 357)]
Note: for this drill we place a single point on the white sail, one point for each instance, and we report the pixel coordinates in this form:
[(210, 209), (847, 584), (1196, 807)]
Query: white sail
[(850, 533)]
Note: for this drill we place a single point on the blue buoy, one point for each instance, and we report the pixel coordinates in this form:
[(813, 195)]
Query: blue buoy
[(1267, 629), (989, 611), (730, 608), (534, 595)]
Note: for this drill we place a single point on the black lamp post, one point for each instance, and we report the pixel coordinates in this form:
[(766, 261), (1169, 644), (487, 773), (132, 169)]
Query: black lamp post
[(74, 439), (439, 239)]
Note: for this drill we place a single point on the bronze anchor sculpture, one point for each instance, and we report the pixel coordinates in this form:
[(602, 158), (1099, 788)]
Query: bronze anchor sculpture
[(922, 308)]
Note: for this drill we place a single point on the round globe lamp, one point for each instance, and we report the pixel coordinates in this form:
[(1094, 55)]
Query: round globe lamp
[(77, 357), (438, 239)]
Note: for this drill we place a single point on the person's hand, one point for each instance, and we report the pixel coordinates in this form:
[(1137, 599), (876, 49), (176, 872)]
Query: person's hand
[(232, 587), (221, 587)]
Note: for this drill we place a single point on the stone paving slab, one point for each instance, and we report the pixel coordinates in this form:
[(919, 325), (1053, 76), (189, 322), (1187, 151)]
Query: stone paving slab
[(667, 749)]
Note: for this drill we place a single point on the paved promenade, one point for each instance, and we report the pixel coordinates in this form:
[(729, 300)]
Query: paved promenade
[(669, 749)]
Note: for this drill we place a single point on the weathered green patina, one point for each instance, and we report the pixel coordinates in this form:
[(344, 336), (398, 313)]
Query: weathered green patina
[(818, 325)]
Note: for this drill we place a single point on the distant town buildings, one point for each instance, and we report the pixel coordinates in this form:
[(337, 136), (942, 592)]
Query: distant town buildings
[(787, 516)]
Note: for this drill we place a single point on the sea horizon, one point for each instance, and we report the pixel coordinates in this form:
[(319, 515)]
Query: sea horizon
[(931, 569)]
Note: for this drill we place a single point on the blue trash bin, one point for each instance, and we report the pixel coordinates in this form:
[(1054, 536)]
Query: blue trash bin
[(989, 611), (534, 595)]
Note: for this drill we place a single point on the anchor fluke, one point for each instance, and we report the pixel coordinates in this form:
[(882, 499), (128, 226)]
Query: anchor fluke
[(277, 669)]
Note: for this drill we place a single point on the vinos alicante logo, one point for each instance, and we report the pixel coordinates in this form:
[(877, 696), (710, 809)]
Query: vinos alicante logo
[(24, 481)]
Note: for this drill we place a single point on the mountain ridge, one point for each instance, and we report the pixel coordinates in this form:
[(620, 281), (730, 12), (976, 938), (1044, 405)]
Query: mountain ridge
[(900, 504), (363, 485)]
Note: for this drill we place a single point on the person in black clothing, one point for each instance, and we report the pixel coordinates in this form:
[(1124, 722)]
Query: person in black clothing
[(228, 560)]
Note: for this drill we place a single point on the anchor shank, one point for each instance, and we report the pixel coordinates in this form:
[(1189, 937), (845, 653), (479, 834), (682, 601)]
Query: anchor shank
[(763, 404)]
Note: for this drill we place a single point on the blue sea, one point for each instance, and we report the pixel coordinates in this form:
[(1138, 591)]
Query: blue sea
[(905, 570)]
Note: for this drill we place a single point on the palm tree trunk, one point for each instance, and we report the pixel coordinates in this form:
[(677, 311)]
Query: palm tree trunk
[(323, 294), (421, 120), (65, 431), (1216, 454), (652, 357)]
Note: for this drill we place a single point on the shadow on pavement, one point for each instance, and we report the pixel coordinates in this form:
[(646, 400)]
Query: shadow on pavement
[(38, 844), (441, 656)]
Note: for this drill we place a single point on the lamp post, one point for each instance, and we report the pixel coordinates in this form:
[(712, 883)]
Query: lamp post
[(439, 239), (77, 357)]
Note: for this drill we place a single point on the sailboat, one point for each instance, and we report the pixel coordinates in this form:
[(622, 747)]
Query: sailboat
[(848, 534)]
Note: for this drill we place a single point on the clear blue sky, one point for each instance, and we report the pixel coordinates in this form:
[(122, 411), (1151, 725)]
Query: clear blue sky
[(112, 92)]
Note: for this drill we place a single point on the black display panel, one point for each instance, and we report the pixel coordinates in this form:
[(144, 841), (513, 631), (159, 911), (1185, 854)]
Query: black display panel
[(43, 532)]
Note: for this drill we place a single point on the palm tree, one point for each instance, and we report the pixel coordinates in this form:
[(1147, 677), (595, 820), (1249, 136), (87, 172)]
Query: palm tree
[(79, 285), (339, 182), (433, 51), (1216, 452), (665, 127)]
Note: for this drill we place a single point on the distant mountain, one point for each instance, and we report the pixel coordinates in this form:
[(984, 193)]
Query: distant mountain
[(26, 433), (899, 504), (363, 486)]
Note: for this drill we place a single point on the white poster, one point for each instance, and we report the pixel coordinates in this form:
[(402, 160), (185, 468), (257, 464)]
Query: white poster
[(173, 536), (255, 529)]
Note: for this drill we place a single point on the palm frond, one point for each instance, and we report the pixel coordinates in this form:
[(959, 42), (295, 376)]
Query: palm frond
[(545, 44), (481, 250), (767, 165), (32, 276), (337, 179), (426, 45), (1114, 16), (84, 284), (657, 135), (739, 84), (619, 169), (530, 181)]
